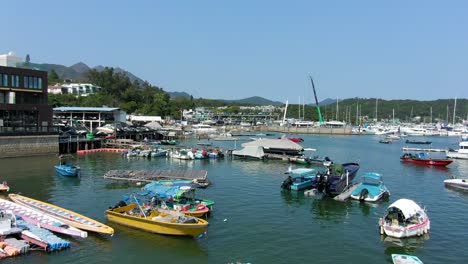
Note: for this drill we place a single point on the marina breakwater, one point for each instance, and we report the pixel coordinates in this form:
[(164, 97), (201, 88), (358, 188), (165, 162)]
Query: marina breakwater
[(23, 146), (308, 130)]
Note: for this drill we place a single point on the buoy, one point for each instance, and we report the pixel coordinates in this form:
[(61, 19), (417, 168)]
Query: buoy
[(138, 183), (225, 220)]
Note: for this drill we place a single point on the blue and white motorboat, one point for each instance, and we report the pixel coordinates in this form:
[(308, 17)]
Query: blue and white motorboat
[(371, 189), (67, 170), (299, 179), (159, 153)]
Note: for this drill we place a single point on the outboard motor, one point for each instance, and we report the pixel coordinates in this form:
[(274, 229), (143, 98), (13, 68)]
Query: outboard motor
[(287, 183), (364, 193), (119, 204)]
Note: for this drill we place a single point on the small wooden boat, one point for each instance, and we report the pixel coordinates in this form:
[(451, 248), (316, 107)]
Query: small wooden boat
[(41, 219), (67, 169), (4, 187), (424, 160), (157, 221), (418, 142), (404, 218), (457, 183), (371, 189), (405, 259), (64, 215)]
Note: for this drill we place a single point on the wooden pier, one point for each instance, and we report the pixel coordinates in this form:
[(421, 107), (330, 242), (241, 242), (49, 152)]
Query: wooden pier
[(197, 176)]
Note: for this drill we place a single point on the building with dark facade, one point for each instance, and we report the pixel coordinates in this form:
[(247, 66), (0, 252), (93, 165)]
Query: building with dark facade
[(24, 107), (26, 127)]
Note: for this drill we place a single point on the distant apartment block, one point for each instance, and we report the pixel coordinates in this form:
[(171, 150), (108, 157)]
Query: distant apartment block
[(77, 89)]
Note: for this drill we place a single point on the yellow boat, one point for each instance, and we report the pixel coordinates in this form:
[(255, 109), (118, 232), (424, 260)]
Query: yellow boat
[(157, 221), (64, 215)]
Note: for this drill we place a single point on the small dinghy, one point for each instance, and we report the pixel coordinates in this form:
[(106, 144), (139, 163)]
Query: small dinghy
[(372, 188), (405, 259)]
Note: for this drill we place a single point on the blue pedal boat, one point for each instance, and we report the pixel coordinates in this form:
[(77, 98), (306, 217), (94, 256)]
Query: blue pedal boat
[(67, 170), (299, 179), (371, 189)]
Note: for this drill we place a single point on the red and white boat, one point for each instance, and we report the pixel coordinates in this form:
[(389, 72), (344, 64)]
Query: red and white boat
[(424, 160), (404, 218)]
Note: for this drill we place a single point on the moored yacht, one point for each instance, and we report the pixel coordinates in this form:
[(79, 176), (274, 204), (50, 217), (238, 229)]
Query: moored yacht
[(461, 153)]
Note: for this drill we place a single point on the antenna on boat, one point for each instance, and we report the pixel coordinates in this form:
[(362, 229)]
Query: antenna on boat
[(316, 101)]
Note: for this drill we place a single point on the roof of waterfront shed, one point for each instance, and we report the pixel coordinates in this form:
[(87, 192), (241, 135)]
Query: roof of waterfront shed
[(84, 109)]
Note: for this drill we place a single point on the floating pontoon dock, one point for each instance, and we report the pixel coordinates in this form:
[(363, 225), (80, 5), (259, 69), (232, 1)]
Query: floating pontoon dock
[(197, 176)]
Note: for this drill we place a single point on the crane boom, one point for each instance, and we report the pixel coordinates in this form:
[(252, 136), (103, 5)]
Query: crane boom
[(316, 101)]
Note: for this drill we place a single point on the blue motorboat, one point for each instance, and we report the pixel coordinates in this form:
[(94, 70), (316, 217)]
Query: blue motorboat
[(371, 189), (67, 170), (336, 179), (299, 179)]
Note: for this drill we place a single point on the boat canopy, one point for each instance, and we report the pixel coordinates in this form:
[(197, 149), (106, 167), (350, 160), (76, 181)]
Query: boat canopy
[(372, 175), (250, 151), (271, 143), (175, 190), (408, 207)]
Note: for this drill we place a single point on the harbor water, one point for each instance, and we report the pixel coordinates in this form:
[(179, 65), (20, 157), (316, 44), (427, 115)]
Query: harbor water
[(253, 220)]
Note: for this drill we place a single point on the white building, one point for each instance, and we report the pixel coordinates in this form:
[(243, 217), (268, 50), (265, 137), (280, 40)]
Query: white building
[(10, 59), (78, 89)]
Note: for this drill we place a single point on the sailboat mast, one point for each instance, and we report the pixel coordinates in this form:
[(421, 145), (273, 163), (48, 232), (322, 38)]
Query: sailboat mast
[(393, 112), (454, 110), (316, 101), (376, 106), (431, 114), (299, 108), (285, 110), (337, 110)]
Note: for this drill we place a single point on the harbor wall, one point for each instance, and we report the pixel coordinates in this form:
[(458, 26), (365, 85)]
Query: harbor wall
[(308, 130), (23, 146)]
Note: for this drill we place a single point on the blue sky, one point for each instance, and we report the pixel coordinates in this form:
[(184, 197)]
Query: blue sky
[(237, 49)]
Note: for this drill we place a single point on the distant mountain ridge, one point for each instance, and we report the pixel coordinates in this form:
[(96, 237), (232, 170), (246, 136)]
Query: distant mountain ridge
[(78, 71), (254, 100)]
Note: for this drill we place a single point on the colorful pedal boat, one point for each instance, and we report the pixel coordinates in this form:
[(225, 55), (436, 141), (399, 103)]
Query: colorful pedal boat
[(157, 221), (41, 219), (64, 215), (405, 259)]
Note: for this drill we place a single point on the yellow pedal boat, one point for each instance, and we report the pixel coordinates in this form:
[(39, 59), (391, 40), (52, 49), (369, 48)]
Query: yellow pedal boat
[(64, 215), (157, 221)]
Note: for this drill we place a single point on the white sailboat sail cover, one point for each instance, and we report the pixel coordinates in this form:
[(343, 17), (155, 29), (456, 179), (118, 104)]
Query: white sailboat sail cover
[(272, 143), (407, 207), (250, 151)]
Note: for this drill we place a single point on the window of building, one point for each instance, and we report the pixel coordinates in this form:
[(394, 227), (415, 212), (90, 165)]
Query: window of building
[(17, 81), (26, 82), (5, 80), (39, 82), (31, 82)]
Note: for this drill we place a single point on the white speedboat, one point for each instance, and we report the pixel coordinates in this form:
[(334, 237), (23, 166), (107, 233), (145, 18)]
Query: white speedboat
[(404, 218), (457, 183), (461, 153), (183, 154)]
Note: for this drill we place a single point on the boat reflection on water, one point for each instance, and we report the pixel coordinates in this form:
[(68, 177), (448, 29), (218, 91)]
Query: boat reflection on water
[(147, 242), (330, 210), (294, 198), (407, 246)]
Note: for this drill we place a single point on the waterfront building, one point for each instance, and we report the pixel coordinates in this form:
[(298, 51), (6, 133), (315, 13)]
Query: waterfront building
[(26, 127), (88, 117), (77, 89)]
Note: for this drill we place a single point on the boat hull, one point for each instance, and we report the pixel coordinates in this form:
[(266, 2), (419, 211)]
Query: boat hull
[(153, 226), (408, 231), (457, 183), (430, 162), (67, 170), (64, 215), (40, 219), (456, 155)]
